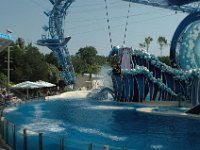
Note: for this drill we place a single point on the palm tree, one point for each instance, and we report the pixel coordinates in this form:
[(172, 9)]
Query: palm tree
[(146, 43), (162, 41)]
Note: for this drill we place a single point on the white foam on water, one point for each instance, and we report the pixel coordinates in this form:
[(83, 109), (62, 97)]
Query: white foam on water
[(99, 133), (110, 108), (11, 109), (145, 109), (157, 147), (38, 112), (44, 125)]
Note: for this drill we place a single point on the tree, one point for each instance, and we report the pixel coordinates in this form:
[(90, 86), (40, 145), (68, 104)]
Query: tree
[(87, 57), (27, 63), (88, 54), (86, 60), (20, 42), (146, 43), (51, 59), (165, 59), (3, 79), (148, 40), (162, 41)]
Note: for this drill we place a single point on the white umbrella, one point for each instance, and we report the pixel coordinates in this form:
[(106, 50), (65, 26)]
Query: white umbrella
[(28, 85), (45, 84)]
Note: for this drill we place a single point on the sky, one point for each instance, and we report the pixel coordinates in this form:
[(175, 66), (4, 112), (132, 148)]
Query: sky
[(86, 23)]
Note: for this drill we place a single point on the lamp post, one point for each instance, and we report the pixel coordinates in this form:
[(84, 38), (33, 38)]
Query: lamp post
[(8, 68), (8, 62)]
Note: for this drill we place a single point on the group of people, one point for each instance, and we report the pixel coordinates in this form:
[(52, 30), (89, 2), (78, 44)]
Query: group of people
[(3, 96)]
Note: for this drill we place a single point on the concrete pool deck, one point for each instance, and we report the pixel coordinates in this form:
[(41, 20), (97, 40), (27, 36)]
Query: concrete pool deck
[(70, 94)]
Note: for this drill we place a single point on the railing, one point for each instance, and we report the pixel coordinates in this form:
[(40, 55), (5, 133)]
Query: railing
[(25, 139)]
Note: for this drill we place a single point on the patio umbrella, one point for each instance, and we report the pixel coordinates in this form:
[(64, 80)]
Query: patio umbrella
[(45, 84), (27, 85)]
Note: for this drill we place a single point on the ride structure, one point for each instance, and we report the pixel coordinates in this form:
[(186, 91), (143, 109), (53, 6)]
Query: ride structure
[(144, 78), (56, 41), (5, 40)]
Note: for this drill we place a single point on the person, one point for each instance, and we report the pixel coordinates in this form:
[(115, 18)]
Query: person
[(117, 69)]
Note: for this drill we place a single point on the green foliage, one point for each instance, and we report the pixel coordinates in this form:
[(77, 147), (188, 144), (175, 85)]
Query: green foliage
[(28, 63), (146, 43), (162, 41), (51, 59), (113, 60), (165, 59), (54, 75), (3, 78), (86, 60)]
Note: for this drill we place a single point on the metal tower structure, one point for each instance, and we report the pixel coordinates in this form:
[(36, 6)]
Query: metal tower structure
[(56, 41)]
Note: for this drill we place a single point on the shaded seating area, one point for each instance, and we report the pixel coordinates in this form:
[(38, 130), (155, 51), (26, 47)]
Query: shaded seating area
[(34, 89)]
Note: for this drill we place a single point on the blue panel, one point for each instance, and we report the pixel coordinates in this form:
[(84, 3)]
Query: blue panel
[(152, 69), (131, 87), (169, 80), (126, 87), (134, 60), (160, 94), (114, 81), (157, 72), (119, 87), (156, 90), (151, 90), (140, 78), (177, 87)]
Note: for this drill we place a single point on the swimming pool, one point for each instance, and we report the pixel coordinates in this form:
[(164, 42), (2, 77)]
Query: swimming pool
[(118, 125)]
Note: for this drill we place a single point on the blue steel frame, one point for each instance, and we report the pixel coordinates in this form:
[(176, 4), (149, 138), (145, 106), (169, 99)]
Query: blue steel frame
[(57, 42)]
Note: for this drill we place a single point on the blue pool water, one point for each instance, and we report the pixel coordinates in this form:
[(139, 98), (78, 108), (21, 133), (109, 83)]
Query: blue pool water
[(118, 125)]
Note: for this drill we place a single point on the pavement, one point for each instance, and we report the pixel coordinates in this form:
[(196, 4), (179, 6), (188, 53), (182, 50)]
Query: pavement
[(3, 145)]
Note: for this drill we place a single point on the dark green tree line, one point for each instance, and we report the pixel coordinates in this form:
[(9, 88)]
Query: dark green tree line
[(28, 63)]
